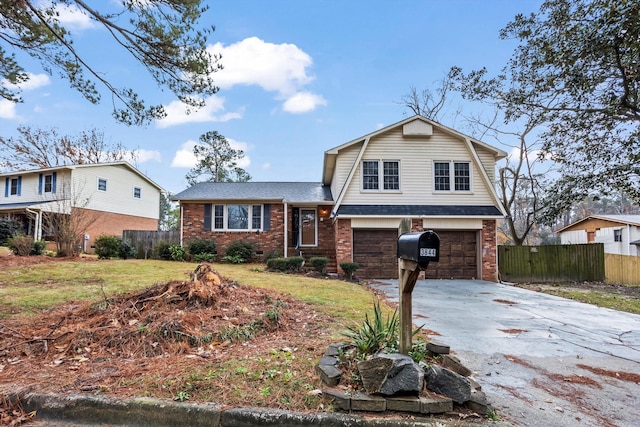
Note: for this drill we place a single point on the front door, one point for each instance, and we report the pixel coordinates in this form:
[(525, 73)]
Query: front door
[(308, 227)]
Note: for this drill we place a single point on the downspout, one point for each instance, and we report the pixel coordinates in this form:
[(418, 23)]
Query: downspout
[(37, 232), (286, 222), (181, 224), (628, 245)]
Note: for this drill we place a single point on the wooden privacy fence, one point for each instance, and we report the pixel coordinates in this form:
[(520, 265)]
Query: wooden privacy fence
[(145, 241), (623, 269), (552, 263)]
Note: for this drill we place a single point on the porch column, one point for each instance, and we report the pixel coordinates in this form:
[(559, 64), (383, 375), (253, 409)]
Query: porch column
[(286, 222)]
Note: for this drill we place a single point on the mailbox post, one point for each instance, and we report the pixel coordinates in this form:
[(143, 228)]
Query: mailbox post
[(415, 251)]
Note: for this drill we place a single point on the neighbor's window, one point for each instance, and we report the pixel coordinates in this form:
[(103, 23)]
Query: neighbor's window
[(137, 192), (617, 235), (237, 217), (14, 187), (390, 175), (102, 184), (443, 171), (48, 183)]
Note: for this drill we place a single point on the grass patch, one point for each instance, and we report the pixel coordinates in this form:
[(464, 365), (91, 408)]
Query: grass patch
[(600, 299)]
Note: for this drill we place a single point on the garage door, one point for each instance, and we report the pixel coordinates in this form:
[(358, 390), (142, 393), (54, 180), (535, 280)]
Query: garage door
[(375, 253), (458, 256)]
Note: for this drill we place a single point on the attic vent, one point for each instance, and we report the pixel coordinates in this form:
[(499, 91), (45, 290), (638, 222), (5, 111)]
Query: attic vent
[(417, 128)]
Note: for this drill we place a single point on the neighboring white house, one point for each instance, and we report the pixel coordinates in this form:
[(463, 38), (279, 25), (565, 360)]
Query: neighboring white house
[(620, 234), (117, 195)]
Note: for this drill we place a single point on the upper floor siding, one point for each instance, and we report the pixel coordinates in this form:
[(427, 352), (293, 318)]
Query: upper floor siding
[(416, 157)]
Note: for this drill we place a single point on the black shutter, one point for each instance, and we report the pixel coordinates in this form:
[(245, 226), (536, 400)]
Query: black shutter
[(207, 217), (266, 219), (295, 226)]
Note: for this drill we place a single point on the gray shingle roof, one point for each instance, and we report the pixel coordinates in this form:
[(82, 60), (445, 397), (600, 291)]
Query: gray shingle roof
[(291, 192)]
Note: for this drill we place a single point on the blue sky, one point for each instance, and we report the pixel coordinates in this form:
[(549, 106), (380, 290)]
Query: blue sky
[(300, 77)]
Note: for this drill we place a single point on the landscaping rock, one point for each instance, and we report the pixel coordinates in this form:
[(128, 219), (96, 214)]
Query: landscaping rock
[(454, 364), (448, 383), (390, 374)]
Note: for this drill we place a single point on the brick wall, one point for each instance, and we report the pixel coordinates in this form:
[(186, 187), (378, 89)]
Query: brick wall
[(265, 242), (489, 251), (112, 224), (344, 240)]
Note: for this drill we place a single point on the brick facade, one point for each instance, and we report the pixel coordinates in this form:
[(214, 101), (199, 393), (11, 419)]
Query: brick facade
[(112, 224), (343, 240), (489, 250)]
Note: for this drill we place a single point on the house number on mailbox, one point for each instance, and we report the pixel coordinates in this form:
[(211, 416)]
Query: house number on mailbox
[(429, 252)]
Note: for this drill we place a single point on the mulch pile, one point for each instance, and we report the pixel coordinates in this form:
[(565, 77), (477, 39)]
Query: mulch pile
[(164, 330)]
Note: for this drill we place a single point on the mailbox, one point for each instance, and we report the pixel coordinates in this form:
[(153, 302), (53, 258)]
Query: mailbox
[(421, 247)]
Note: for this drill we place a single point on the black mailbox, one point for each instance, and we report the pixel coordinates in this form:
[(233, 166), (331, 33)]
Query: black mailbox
[(421, 247)]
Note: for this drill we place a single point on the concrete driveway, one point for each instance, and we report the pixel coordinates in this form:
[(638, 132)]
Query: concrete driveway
[(542, 360)]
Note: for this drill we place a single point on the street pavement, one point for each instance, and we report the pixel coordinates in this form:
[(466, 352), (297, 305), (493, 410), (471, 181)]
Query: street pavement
[(542, 360)]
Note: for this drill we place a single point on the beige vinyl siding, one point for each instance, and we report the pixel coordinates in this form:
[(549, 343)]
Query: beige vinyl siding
[(30, 186), (119, 195), (452, 224), (488, 161), (344, 163), (416, 156), (375, 223)]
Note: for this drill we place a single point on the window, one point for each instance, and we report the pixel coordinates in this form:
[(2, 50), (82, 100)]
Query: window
[(15, 187), (48, 183), (617, 235), (256, 217), (102, 184), (442, 172), (370, 175), (137, 192), (218, 217), (238, 217), (390, 175)]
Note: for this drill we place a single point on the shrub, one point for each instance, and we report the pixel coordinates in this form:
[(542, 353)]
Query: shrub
[(204, 257), (162, 251), (349, 268), (235, 259), (177, 252), (21, 245), (293, 264), (127, 251), (319, 264), (38, 247), (239, 250), (375, 334), (107, 246), (9, 227), (201, 246)]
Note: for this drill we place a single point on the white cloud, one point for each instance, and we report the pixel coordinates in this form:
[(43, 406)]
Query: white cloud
[(177, 113), (303, 102), (8, 110), (34, 82), (143, 156), (73, 17), (266, 166), (281, 68), (184, 157), (533, 155)]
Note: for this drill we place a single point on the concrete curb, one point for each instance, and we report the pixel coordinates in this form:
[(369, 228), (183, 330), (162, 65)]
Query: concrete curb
[(143, 412)]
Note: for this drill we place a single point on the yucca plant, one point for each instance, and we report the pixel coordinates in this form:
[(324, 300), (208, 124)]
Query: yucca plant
[(375, 334)]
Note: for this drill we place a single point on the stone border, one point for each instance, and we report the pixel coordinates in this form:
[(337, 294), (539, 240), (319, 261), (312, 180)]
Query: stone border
[(331, 375)]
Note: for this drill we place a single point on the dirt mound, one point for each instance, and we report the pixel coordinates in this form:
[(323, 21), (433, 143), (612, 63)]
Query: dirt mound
[(116, 344)]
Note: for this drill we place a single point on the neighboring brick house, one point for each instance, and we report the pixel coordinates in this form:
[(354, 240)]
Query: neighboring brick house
[(112, 196), (418, 169)]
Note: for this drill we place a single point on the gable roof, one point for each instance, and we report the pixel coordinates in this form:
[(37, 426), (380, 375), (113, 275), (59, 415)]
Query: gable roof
[(330, 155), (619, 219), (289, 192), (87, 165)]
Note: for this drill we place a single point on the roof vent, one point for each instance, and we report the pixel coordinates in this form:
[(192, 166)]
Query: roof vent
[(417, 128)]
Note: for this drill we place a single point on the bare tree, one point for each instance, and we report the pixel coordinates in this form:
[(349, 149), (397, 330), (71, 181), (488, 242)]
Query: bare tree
[(67, 219), (430, 103), (38, 148)]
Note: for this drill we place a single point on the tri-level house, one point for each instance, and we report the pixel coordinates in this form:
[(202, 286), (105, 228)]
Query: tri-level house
[(110, 197), (415, 169)]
